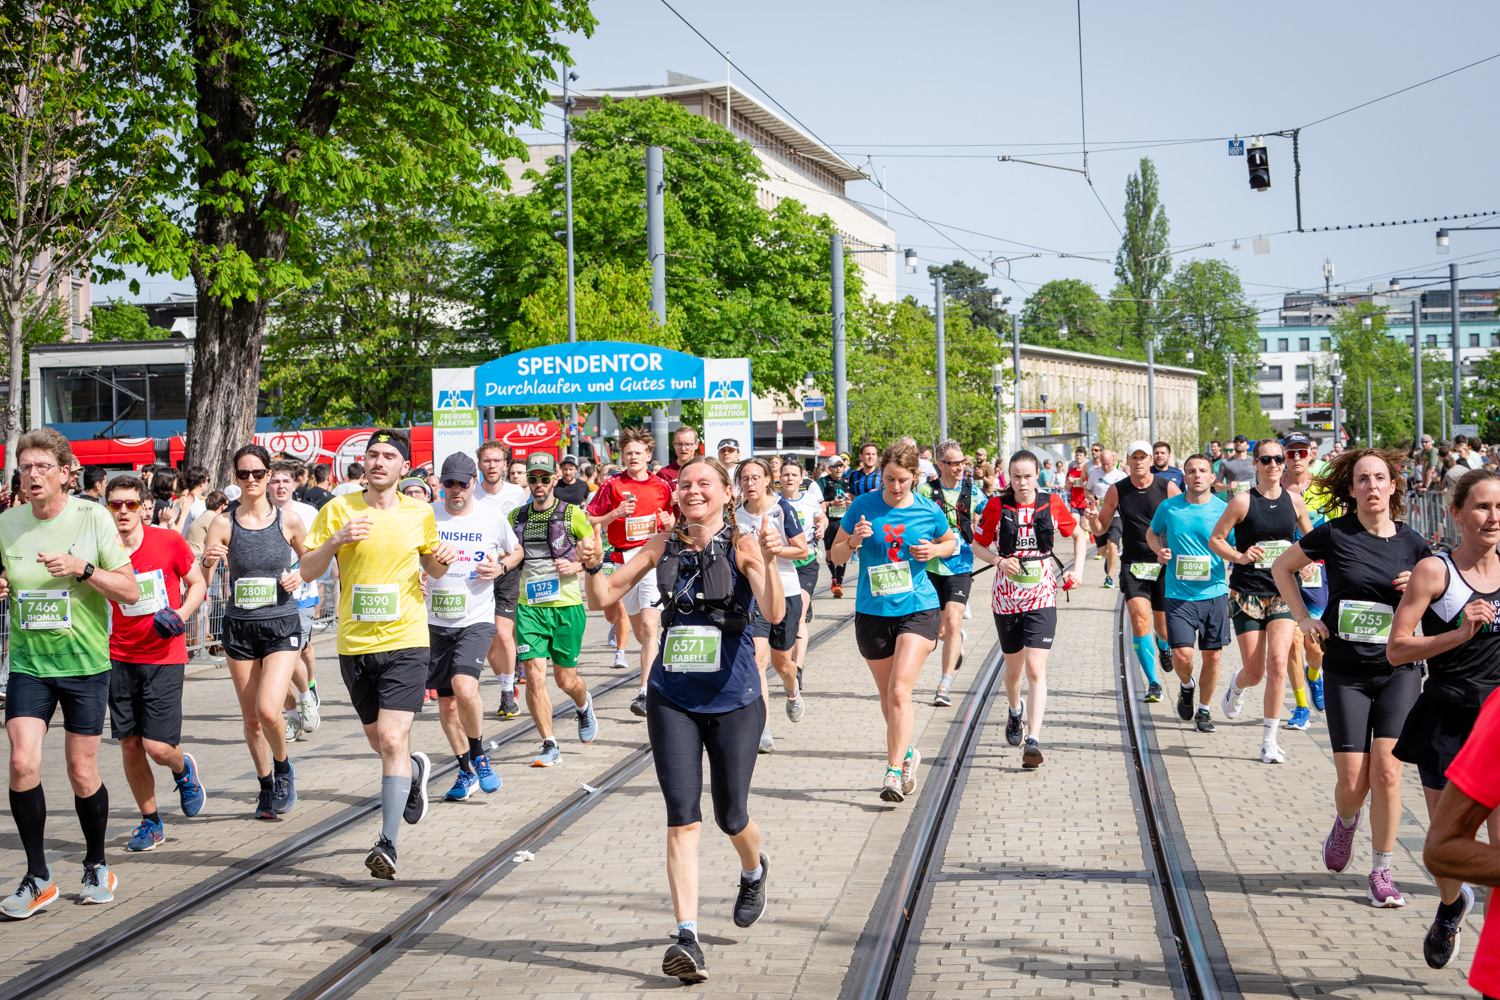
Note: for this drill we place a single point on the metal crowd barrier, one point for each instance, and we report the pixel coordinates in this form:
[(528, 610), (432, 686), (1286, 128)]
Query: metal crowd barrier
[(1428, 515)]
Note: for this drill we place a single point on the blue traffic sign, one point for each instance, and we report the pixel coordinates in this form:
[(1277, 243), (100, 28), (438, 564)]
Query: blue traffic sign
[(1236, 147), (813, 402)]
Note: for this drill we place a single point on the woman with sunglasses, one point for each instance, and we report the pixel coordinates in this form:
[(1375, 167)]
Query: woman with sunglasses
[(704, 694), (1368, 556), (1264, 519), (262, 545)]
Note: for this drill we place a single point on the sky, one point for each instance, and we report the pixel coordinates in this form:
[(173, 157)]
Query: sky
[(927, 95)]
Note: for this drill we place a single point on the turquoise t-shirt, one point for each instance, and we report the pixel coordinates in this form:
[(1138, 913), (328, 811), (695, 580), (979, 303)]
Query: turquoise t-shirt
[(891, 582), (962, 559), (1195, 573)]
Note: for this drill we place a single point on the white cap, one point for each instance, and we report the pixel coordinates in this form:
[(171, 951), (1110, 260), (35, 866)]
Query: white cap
[(1142, 445)]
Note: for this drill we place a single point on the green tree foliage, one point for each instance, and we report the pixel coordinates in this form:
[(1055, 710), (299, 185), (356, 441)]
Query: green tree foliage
[(117, 319), (742, 280), (966, 284), (1484, 395), (1207, 314), (1141, 265), (1386, 360), (1093, 324)]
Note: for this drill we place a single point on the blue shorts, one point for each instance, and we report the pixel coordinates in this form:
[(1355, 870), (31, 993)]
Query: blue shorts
[(1201, 623)]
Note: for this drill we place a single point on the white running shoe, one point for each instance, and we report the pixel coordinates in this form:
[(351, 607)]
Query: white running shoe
[(307, 709), (294, 728), (1232, 703), (620, 663), (1270, 753)]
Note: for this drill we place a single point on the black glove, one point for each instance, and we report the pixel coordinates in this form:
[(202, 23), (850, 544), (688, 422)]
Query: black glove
[(168, 623)]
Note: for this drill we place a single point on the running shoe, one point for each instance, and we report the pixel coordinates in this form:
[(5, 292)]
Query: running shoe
[(836, 588), (1185, 704), (147, 837), (767, 741), (190, 791), (382, 859), (684, 960), (620, 662), (1441, 943), (1109, 583), (489, 781), (1315, 692), (1203, 721), (909, 771), (638, 705), (430, 694), (30, 896), (265, 804), (1232, 703), (1300, 718), (750, 902), (416, 799), (294, 730), (1383, 892), (307, 711), (1153, 692), (890, 788), (963, 640), (1031, 754), (807, 615), (508, 708), (463, 786), (796, 708), (588, 724), (312, 689), (941, 699), (1013, 727), (1270, 753), (99, 884), (1338, 846), (284, 789), (1164, 661), (609, 640), (550, 754)]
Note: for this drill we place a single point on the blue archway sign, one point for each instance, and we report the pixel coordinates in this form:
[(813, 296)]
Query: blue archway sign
[(589, 372)]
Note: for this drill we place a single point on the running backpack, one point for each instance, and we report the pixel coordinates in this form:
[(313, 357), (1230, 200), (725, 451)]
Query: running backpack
[(964, 507), (714, 594), (1008, 533), (560, 541)]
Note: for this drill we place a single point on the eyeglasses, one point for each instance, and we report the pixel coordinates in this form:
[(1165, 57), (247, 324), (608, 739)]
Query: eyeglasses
[(39, 469), (255, 474), (124, 505), (455, 484), (951, 461), (538, 479), (1272, 459), (415, 492)]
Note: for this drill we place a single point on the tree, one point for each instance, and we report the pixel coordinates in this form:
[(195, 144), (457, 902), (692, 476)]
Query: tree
[(117, 319), (967, 284), (1141, 265), (301, 109), (1092, 323), (1371, 352), (1207, 322)]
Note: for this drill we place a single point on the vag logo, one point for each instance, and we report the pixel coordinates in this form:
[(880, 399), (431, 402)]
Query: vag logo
[(456, 399), (726, 390)]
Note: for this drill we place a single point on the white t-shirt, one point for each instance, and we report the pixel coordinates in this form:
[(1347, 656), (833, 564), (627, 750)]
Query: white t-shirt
[(197, 510), (508, 499), (463, 599), (307, 594), (1100, 481), (784, 517), (807, 506), (349, 487)]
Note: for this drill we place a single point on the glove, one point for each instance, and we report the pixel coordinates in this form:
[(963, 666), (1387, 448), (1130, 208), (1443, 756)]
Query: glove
[(168, 623)]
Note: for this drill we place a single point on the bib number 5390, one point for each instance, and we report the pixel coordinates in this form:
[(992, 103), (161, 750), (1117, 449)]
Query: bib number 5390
[(378, 602)]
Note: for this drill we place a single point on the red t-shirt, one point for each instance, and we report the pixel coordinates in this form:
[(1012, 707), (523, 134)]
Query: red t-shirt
[(132, 638), (1078, 482), (652, 496), (1008, 597), (1476, 773), (668, 473)]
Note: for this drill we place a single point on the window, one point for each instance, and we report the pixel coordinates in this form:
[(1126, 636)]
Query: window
[(1473, 340), (79, 398), (1270, 373), (1283, 345), (1495, 338), (1326, 343), (1431, 342), (1265, 346), (1304, 344), (1304, 372), (1270, 402)]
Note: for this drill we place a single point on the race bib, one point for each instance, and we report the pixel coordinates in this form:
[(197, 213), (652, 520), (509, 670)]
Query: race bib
[(1030, 575), (691, 649), (1365, 621), (547, 587), (43, 609), (837, 510), (153, 595), (1238, 488), (1273, 549), (254, 592), (888, 579), (376, 602), (449, 603), (1194, 569), (1145, 571), (1317, 577), (640, 528)]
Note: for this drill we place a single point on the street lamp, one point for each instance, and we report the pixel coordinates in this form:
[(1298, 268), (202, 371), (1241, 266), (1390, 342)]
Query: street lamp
[(999, 380), (1078, 396), (911, 261)]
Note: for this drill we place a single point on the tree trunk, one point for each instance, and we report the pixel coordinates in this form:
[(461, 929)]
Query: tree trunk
[(226, 383), (13, 400)]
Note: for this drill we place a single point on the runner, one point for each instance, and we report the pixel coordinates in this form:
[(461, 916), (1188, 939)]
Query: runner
[(632, 507), (63, 560), (705, 696), (1454, 596), (571, 489), (835, 490), (1197, 597), (148, 656), (550, 618), (1264, 526), (805, 499), (963, 504), (1018, 540), (1306, 660), (1102, 475), (1237, 468), (896, 618), (461, 618), (684, 447), (302, 699), (1161, 464), (1077, 482), (504, 497), (1368, 556), (262, 627), (383, 542), (1136, 498), (774, 642)]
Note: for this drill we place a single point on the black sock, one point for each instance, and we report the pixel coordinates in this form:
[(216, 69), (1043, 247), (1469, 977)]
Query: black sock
[(283, 766), (265, 782), (93, 815), (179, 775), (30, 811), (475, 750), (152, 817), (463, 762), (1447, 911)]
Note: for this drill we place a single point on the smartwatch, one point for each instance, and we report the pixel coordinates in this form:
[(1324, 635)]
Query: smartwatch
[(88, 571)]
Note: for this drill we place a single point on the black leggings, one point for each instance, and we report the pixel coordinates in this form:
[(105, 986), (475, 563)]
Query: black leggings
[(1361, 709), (678, 740)]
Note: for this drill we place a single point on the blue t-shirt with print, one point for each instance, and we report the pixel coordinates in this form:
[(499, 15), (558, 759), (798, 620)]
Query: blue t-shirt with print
[(1184, 528), (896, 528), (962, 559)]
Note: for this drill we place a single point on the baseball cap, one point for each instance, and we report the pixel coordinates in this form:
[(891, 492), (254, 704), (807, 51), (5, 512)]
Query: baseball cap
[(1296, 439), (540, 461), (1141, 445), (729, 443), (459, 466), (411, 481), (570, 460)]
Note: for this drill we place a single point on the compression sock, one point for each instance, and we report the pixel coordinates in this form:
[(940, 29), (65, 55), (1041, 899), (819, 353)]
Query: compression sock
[(1301, 695), (394, 789), (30, 811), (93, 816), (688, 927), (1147, 655), (1382, 860), (507, 682), (1163, 648)]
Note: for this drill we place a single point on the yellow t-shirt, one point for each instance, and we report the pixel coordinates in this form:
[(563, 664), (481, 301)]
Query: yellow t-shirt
[(382, 573)]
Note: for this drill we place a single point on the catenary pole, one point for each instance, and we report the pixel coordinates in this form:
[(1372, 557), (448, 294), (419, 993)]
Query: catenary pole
[(1416, 364), (1151, 388), (568, 208), (656, 252), (1015, 360), (1455, 411), (1231, 396), (942, 358), (840, 388)]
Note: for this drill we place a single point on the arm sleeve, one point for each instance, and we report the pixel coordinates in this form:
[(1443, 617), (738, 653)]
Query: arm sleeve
[(1315, 543), (325, 524), (111, 554), (988, 522), (1476, 769)]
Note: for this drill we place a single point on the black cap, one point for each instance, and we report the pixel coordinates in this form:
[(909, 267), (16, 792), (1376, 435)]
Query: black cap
[(570, 460), (459, 466), (1296, 439)]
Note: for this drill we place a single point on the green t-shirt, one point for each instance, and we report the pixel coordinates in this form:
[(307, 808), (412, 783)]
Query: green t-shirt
[(541, 585), (79, 646)]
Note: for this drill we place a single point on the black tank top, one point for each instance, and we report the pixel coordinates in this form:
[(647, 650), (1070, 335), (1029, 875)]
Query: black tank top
[(1466, 674), (1137, 505), (1265, 521)]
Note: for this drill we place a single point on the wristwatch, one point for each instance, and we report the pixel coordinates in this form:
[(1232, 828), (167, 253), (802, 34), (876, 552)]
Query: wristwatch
[(88, 571), (591, 570)]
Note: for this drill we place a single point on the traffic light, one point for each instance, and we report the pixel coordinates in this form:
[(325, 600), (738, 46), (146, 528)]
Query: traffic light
[(1493, 414), (1259, 162)]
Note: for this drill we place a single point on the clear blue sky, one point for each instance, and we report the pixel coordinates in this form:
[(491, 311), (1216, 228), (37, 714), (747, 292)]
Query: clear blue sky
[(931, 92)]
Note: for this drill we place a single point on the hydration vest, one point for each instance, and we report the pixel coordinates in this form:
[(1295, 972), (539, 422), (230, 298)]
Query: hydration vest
[(560, 541), (713, 595), (964, 507), (1009, 531)]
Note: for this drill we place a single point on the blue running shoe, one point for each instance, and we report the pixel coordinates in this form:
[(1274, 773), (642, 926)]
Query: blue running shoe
[(147, 837), (1300, 718), (550, 754), (588, 726), (489, 781), (284, 790), (463, 786), (1315, 690), (189, 789)]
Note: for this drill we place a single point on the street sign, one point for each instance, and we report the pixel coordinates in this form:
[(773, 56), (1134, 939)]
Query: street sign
[(1467, 430), (1236, 147), (813, 402)]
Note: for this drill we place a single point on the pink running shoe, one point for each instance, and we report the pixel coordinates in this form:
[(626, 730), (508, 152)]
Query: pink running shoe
[(1383, 891), (1339, 845)]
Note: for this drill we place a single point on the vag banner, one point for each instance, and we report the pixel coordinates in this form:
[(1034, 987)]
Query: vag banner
[(455, 416), (592, 371), (726, 405)]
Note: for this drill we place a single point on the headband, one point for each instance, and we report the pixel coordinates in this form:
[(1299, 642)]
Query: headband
[(391, 438)]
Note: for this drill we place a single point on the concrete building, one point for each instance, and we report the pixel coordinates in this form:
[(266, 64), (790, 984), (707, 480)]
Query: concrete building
[(798, 166)]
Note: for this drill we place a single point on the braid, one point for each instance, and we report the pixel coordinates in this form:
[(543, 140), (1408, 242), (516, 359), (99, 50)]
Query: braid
[(734, 525)]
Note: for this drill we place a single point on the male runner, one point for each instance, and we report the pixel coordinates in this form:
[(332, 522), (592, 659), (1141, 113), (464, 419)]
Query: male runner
[(504, 496), (571, 489), (63, 560), (1077, 481), (1136, 499), (729, 454), (684, 447), (1161, 464), (148, 656), (1237, 469), (382, 540), (461, 618), (1103, 474), (1197, 595), (631, 507), (960, 499), (550, 618), (1305, 665), (302, 699), (857, 481)]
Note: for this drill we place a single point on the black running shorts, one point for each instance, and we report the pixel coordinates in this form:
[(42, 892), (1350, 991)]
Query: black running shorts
[(507, 594), (145, 700), (394, 679), (1154, 591), (83, 700), (457, 651), (807, 576), (875, 635), (783, 635), (953, 589), (1033, 629), (1365, 708), (1204, 623), (256, 638)]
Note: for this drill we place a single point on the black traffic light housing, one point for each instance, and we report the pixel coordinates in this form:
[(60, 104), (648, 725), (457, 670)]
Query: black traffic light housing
[(1259, 162)]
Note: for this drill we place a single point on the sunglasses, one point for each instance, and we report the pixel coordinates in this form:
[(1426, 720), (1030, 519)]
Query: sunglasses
[(255, 474), (1272, 460), (535, 479), (1297, 453), (124, 505), (455, 484)]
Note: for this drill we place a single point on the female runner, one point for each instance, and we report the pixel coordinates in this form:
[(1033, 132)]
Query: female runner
[(704, 689), (808, 503), (1368, 557), (896, 615)]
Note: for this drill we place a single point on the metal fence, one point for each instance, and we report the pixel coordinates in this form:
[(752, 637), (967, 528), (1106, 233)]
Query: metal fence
[(1429, 516)]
